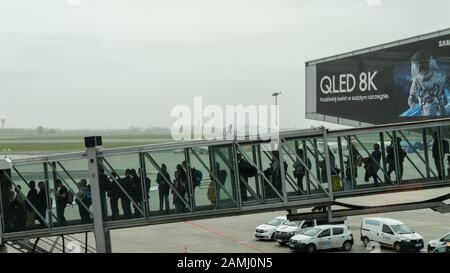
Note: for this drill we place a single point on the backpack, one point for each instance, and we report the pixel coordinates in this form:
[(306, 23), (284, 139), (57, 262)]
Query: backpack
[(445, 147), (69, 197), (196, 177), (88, 198), (88, 195)]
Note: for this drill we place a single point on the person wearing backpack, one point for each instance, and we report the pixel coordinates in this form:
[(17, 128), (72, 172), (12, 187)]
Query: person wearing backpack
[(246, 170), (42, 204), (61, 193), (222, 177), (136, 193), (18, 210), (163, 179), (299, 169), (147, 183), (32, 196), (439, 159), (275, 170), (390, 157), (114, 195), (197, 175), (126, 183), (180, 186), (83, 198)]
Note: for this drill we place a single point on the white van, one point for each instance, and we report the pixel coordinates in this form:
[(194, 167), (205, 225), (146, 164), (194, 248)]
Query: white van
[(285, 231), (391, 233)]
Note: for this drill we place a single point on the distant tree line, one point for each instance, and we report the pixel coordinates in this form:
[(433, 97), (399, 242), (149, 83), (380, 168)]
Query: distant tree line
[(41, 130)]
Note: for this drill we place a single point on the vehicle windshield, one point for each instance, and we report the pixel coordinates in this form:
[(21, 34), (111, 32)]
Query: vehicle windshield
[(402, 229), (292, 223), (441, 249), (275, 222), (312, 232)]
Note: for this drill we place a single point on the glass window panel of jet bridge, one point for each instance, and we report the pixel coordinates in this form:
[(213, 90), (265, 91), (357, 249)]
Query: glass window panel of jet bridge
[(248, 157), (224, 169), (351, 168), (22, 176), (315, 151), (369, 154), (415, 168), (391, 157), (297, 174), (271, 167), (445, 140), (124, 200), (74, 176), (161, 192), (207, 193), (338, 154)]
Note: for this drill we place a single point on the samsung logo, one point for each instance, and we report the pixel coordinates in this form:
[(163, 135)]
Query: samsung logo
[(444, 43)]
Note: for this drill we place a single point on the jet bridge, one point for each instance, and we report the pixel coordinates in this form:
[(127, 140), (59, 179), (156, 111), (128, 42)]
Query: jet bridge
[(314, 168)]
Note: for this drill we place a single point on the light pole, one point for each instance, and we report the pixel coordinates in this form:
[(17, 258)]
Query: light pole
[(3, 121), (276, 94)]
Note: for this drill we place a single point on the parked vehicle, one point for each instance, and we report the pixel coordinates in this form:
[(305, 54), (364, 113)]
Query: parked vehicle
[(290, 228), (267, 230), (442, 249), (444, 240), (391, 233), (323, 237)]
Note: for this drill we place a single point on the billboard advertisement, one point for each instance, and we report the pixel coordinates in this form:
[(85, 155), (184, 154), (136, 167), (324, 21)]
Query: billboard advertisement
[(406, 82)]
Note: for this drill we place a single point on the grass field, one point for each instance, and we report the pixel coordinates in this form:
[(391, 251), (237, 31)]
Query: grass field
[(70, 143)]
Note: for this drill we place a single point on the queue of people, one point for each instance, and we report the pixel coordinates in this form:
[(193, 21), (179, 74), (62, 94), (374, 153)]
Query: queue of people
[(129, 192), (372, 164), (23, 212)]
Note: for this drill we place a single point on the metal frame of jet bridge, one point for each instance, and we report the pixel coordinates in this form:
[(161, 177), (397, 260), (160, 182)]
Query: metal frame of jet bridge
[(239, 177)]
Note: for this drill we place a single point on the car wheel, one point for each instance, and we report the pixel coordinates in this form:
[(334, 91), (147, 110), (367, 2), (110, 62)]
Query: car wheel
[(397, 247), (366, 241), (282, 243), (347, 246), (311, 248)]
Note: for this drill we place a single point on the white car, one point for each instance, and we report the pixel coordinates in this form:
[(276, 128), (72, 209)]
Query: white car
[(438, 242), (442, 249), (323, 237), (290, 228), (391, 233), (267, 230)]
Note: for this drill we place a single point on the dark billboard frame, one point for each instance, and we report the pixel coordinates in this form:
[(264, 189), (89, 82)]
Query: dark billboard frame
[(311, 79)]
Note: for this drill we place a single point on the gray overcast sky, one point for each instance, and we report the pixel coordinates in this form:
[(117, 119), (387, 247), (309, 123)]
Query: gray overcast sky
[(117, 63)]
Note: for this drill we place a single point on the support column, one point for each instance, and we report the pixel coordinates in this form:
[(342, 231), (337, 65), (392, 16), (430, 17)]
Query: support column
[(327, 164), (102, 236), (5, 166), (2, 247), (237, 174), (397, 150), (282, 171), (425, 152)]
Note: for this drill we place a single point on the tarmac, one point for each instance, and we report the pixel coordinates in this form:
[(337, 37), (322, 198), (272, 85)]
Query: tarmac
[(236, 234)]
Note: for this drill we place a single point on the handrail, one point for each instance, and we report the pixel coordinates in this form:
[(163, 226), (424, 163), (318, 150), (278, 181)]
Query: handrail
[(199, 143)]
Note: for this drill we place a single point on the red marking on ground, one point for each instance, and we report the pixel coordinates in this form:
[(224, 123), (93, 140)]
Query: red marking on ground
[(223, 235)]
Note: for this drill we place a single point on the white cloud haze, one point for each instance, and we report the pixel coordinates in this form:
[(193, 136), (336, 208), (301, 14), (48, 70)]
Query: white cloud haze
[(117, 63)]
